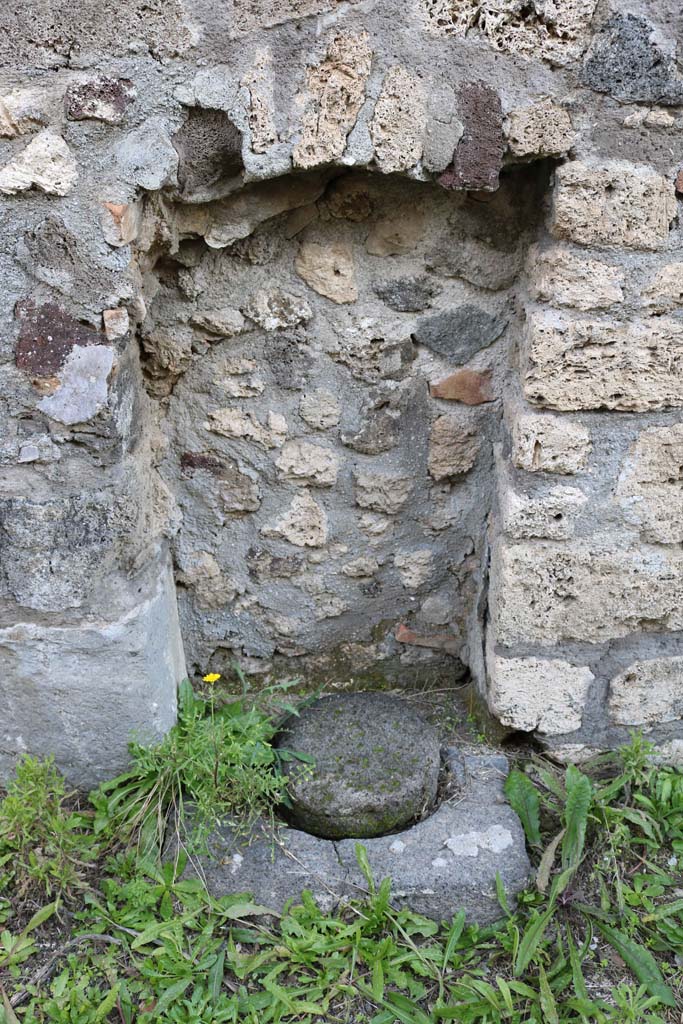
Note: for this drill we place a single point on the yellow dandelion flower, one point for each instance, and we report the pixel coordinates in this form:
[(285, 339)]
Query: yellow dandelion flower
[(212, 678)]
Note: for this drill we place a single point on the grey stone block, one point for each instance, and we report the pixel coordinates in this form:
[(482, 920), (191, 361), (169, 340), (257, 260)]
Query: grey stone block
[(625, 61), (439, 866), (82, 692), (459, 334)]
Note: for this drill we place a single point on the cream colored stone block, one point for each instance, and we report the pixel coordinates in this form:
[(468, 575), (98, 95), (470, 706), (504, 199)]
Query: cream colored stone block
[(538, 695), (565, 278), (328, 268), (237, 424), (550, 516), (382, 492), (540, 129), (398, 124), (336, 89), (307, 463), (548, 592), (320, 409), (549, 444), (603, 364), (414, 567), (46, 163), (453, 446), (664, 291), (304, 524), (647, 693), (650, 487), (617, 204)]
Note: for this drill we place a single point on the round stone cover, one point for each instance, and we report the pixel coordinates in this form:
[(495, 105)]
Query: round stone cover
[(375, 765)]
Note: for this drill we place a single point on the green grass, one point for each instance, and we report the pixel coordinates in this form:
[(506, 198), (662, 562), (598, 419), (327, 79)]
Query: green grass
[(119, 937)]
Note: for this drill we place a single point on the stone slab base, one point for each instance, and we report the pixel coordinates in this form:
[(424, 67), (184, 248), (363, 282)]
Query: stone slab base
[(81, 693), (439, 866)]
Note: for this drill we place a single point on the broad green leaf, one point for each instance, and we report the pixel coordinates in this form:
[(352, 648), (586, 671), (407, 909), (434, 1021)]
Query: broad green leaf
[(641, 962), (531, 940), (524, 800), (453, 938), (172, 993), (579, 797), (40, 917), (364, 865), (547, 1000), (547, 860), (216, 978)]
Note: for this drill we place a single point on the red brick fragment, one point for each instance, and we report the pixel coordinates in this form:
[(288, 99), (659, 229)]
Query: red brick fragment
[(440, 641), (471, 387)]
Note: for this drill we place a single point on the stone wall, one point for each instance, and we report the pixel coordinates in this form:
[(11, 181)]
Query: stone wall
[(343, 340)]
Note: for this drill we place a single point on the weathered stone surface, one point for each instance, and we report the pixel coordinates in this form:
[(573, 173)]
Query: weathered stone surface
[(549, 592), (209, 148), (237, 490), (409, 294), (336, 89), (361, 567), (398, 122), (538, 695), (625, 60), (444, 129), (612, 205), (557, 33), (83, 388), (147, 157), (328, 270), (478, 157), (453, 447), (57, 704), (238, 424), (275, 309), (375, 765), (549, 444), (382, 492), (541, 129), (46, 163), (449, 862), (397, 233), (23, 111), (303, 524), (650, 485), (320, 409), (308, 464), (443, 864), (664, 291), (47, 336), (100, 99), (647, 693), (470, 387), (602, 364), (551, 515), (565, 278), (459, 334), (415, 567), (121, 223), (227, 322), (116, 323), (225, 222)]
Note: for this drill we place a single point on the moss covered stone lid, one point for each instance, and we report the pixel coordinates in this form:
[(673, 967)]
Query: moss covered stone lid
[(375, 765)]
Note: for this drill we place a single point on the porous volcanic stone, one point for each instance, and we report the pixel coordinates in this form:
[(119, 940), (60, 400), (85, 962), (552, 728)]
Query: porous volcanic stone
[(376, 765)]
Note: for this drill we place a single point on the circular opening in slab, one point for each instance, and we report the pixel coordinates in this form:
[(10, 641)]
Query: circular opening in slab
[(371, 766)]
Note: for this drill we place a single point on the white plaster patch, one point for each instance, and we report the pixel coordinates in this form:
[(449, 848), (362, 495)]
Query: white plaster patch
[(468, 844), (397, 846), (83, 389)]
